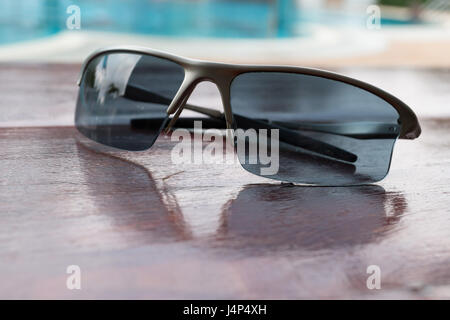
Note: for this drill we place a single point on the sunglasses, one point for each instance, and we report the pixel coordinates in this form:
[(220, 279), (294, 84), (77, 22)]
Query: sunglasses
[(331, 130)]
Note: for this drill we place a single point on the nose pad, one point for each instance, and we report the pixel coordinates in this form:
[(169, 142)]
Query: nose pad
[(176, 115), (179, 100), (185, 90), (188, 85)]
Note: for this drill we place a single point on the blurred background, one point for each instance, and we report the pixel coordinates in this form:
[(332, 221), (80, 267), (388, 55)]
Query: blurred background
[(311, 32), (203, 232)]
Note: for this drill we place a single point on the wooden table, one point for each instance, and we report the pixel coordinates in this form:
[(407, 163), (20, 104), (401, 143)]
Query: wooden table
[(140, 227)]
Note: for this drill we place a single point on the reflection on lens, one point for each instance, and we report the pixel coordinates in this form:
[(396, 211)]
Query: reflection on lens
[(330, 132), (123, 99)]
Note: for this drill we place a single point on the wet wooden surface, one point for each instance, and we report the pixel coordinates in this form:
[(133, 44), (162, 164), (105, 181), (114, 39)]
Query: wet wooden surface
[(141, 227)]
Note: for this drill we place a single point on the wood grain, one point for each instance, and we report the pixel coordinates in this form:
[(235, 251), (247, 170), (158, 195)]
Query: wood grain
[(141, 227)]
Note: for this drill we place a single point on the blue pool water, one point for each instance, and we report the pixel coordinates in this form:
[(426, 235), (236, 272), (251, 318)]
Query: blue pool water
[(31, 19)]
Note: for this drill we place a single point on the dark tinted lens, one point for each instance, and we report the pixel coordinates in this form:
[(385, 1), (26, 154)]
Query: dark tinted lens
[(330, 132), (123, 99)]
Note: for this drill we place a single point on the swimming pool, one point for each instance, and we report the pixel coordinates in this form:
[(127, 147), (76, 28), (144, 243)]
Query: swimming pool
[(22, 20)]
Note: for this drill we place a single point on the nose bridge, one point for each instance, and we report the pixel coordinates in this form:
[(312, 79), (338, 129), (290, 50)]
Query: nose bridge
[(198, 72), (218, 73)]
